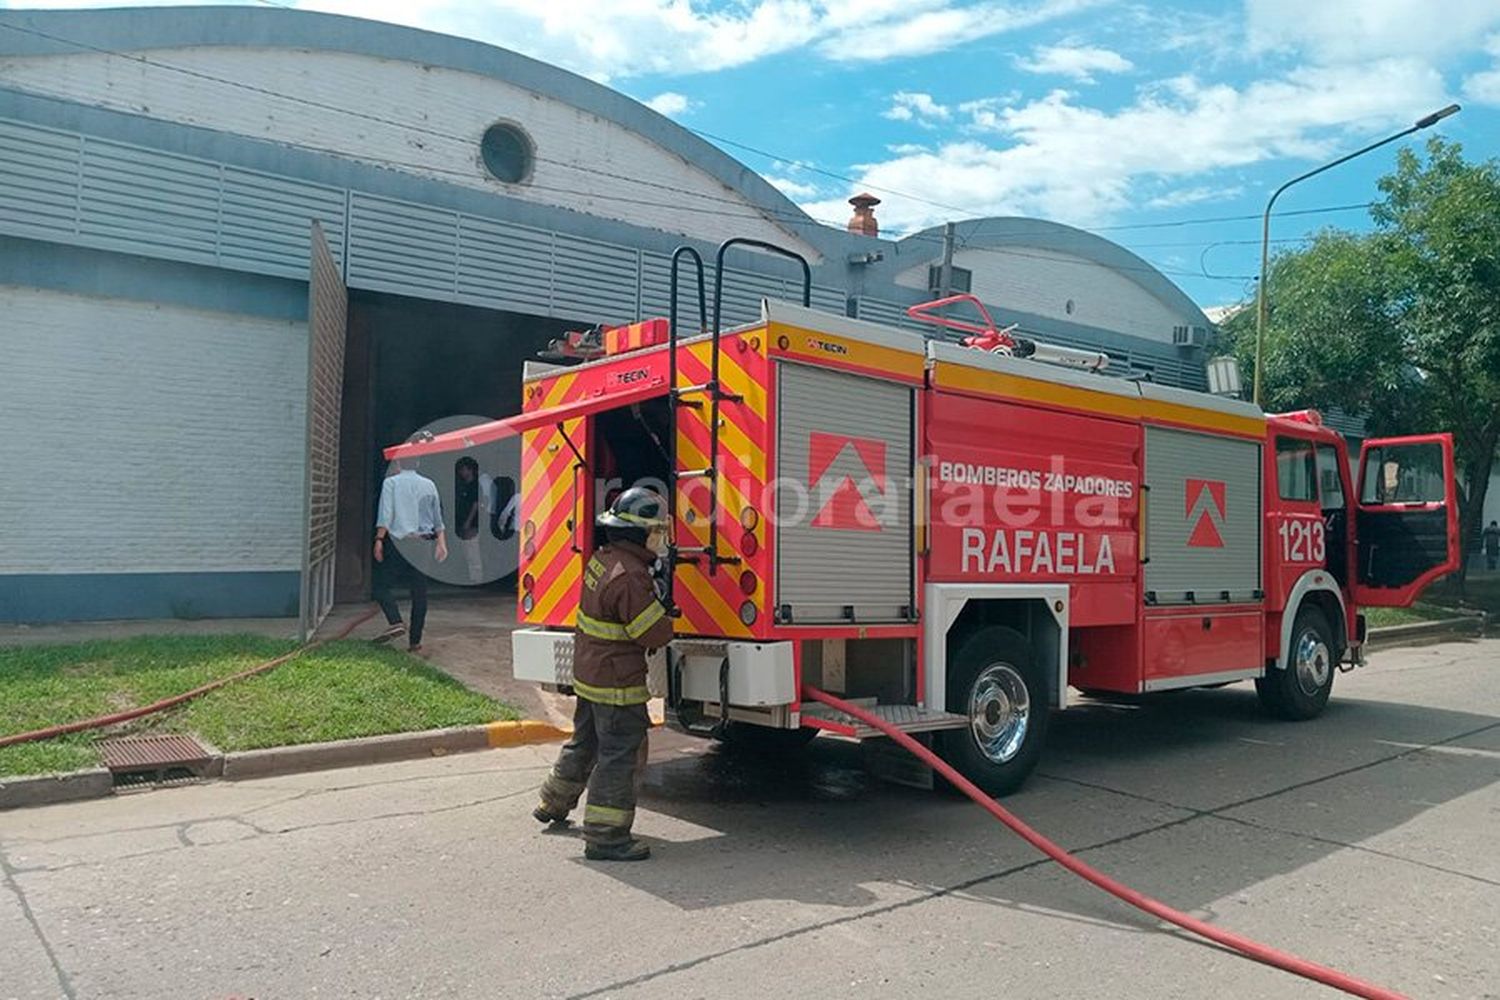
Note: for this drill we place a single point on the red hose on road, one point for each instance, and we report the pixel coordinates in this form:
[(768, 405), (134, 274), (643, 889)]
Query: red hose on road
[(101, 721), (1243, 945)]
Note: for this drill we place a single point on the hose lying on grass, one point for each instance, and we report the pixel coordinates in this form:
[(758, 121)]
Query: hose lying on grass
[(99, 722), (1245, 946)]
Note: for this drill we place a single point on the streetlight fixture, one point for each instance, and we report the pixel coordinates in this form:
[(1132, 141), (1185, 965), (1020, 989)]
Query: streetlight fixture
[(1261, 305)]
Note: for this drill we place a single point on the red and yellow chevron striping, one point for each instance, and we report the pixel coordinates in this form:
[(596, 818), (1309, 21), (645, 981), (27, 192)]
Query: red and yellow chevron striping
[(554, 492)]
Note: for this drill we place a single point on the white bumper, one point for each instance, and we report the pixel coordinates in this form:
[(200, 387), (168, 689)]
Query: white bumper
[(761, 674)]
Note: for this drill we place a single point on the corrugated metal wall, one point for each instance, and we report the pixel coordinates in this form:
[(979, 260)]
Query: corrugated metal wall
[(70, 188)]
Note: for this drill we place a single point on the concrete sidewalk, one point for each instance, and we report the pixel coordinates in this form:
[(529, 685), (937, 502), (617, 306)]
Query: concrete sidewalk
[(1363, 839)]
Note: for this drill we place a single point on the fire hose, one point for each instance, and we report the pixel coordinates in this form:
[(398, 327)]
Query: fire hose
[(1245, 946), (99, 722)]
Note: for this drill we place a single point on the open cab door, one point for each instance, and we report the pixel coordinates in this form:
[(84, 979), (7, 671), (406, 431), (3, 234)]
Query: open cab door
[(1406, 527)]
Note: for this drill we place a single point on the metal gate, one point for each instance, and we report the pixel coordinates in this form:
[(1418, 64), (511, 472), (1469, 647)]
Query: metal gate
[(327, 325), (844, 546)]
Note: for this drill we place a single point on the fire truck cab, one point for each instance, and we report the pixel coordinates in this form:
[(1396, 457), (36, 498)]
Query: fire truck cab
[(955, 536)]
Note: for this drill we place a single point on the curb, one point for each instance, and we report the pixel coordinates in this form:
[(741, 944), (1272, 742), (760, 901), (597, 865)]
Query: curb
[(385, 749), (98, 783), (1420, 632), (46, 789), (525, 732)]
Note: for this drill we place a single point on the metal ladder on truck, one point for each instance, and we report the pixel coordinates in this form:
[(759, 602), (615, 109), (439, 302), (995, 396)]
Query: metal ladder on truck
[(713, 395)]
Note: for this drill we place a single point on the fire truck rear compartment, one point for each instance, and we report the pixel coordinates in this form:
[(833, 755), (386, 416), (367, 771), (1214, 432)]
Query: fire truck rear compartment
[(629, 448)]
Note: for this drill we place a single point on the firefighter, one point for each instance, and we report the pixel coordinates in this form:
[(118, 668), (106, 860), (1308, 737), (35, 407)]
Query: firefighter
[(620, 618)]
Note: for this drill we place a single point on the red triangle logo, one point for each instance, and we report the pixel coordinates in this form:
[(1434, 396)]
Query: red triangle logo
[(1205, 535), (846, 509)]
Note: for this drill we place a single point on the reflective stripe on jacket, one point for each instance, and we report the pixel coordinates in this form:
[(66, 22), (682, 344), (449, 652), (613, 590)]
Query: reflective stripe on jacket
[(619, 618)]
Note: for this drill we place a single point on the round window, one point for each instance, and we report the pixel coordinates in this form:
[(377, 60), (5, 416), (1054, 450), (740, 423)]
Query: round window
[(507, 153)]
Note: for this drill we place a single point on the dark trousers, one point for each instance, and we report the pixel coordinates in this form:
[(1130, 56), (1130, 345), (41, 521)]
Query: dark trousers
[(394, 571), (607, 754)]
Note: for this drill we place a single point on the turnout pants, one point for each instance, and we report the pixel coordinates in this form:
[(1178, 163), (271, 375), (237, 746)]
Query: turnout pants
[(607, 754)]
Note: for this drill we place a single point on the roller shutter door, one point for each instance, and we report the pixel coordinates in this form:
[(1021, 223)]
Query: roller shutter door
[(844, 506), (1203, 517)]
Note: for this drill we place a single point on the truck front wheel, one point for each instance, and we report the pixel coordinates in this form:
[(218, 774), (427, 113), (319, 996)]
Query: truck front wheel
[(994, 680), (1300, 689)]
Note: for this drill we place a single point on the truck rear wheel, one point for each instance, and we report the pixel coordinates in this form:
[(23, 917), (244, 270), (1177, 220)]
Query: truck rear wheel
[(993, 678), (1300, 690)]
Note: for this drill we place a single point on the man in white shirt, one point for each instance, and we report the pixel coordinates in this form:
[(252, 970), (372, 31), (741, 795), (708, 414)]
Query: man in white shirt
[(411, 513)]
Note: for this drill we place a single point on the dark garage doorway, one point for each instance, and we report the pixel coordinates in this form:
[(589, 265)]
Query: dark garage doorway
[(409, 362)]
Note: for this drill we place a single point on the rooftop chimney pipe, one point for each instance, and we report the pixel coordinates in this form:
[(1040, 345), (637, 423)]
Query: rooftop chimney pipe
[(863, 222)]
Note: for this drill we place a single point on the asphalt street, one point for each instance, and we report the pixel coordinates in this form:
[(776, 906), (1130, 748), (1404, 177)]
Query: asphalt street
[(1368, 839)]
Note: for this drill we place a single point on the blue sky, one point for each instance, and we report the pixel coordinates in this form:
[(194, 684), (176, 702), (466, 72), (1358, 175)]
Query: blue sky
[(1136, 120)]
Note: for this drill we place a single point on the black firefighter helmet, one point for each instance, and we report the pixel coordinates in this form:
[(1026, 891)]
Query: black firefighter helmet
[(637, 507)]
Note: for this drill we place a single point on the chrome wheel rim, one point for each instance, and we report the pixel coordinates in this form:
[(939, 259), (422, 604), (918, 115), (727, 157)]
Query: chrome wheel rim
[(1312, 661), (999, 712)]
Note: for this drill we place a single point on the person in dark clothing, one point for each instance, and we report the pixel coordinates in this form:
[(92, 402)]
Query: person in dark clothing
[(466, 509), (620, 618), (1492, 545)]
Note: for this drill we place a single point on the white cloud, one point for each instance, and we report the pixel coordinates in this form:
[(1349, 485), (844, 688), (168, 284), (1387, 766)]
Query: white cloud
[(794, 189), (984, 113), (884, 30), (671, 104), (1080, 62), (1058, 158), (1484, 87), (1358, 30), (618, 39), (907, 106), (1195, 196)]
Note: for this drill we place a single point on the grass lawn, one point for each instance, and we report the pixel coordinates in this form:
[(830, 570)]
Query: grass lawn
[(1381, 617), (1443, 600), (338, 691)]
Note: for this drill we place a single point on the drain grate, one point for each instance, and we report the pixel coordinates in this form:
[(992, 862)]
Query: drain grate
[(135, 760)]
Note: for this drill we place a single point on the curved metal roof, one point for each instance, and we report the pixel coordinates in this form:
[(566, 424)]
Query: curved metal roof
[(69, 32), (998, 232)]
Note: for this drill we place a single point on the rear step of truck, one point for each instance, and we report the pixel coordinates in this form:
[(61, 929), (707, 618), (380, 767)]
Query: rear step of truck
[(907, 718)]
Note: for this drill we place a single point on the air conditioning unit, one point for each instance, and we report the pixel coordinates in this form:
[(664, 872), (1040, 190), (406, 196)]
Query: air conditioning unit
[(1189, 336)]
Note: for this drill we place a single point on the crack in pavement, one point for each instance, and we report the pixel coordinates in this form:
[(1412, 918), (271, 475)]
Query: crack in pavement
[(295, 797), (953, 890), (261, 831), (63, 980)]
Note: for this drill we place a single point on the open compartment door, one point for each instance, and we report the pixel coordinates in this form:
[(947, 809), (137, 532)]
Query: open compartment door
[(1406, 526)]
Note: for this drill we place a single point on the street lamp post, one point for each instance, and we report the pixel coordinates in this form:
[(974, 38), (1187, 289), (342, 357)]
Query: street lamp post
[(1261, 305)]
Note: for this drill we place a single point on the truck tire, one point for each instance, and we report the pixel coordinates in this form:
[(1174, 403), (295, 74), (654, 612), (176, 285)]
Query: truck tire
[(993, 678), (1301, 689)]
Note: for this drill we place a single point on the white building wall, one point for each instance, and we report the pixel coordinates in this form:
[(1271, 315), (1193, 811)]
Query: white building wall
[(147, 438), (1044, 282), (417, 119)]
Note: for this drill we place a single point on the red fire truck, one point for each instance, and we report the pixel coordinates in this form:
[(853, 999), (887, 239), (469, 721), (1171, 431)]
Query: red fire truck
[(955, 533)]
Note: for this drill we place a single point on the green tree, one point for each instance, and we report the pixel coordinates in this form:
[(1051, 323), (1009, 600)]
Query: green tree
[(1401, 324)]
